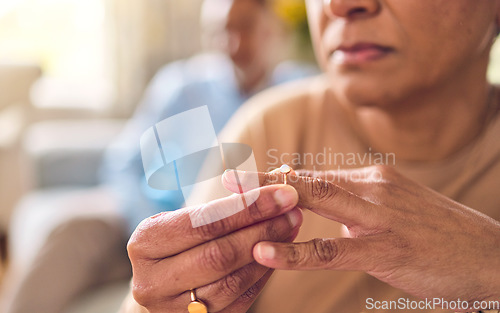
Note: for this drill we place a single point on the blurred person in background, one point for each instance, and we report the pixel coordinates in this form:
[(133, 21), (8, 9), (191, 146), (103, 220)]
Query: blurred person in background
[(86, 246), (252, 39)]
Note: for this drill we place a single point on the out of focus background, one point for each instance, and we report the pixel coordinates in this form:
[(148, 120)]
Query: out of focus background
[(71, 73)]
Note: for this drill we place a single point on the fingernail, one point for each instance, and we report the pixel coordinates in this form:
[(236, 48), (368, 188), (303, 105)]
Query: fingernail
[(246, 180), (265, 251), (294, 217), (286, 196), (230, 176)]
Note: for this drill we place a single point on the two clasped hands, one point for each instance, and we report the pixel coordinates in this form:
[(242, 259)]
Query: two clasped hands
[(398, 231)]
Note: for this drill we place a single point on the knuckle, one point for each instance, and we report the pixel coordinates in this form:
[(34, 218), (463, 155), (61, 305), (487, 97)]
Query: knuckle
[(141, 294), (271, 232), (251, 293), (232, 285), (255, 211), (377, 190), (209, 229), (320, 189), (133, 249), (137, 245), (270, 179), (295, 257), (264, 207), (389, 188), (218, 256), (324, 250), (306, 173), (383, 170)]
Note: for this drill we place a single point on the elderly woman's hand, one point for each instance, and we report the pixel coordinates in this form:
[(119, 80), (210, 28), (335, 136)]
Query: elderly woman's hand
[(169, 256), (400, 232)]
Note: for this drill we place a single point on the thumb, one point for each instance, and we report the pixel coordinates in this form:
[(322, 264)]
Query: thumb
[(363, 253)]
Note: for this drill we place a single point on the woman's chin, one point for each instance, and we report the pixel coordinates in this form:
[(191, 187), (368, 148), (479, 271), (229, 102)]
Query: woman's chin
[(366, 93)]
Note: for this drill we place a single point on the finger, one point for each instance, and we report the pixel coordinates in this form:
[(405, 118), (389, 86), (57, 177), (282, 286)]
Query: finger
[(354, 180), (363, 254), (324, 198), (209, 262), (361, 174), (156, 281), (222, 293), (170, 233), (235, 180), (245, 301)]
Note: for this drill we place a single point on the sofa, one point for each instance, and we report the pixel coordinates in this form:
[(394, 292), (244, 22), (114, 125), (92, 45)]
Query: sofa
[(63, 157)]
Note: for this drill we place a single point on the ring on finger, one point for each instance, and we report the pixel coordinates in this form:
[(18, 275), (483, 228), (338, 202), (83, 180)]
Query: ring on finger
[(285, 170), (196, 305)]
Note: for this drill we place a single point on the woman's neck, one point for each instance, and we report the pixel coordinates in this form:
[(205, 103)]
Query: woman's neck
[(430, 126)]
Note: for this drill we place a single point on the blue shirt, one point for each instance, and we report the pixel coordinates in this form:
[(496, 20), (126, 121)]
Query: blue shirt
[(206, 79)]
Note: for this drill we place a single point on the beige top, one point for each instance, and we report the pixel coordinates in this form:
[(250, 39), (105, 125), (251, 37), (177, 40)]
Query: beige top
[(300, 121)]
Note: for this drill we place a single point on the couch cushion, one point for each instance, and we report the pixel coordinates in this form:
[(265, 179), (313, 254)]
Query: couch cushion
[(66, 152)]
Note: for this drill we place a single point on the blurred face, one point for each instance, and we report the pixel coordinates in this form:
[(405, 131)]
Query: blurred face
[(379, 51), (247, 29)]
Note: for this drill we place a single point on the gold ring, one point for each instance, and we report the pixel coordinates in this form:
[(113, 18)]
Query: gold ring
[(196, 306), (285, 169)]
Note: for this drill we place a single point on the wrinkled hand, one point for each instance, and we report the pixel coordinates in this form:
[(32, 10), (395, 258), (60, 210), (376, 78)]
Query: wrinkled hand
[(169, 256), (397, 231)]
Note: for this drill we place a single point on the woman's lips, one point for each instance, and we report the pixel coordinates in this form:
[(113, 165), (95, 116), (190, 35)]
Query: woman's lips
[(359, 53)]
